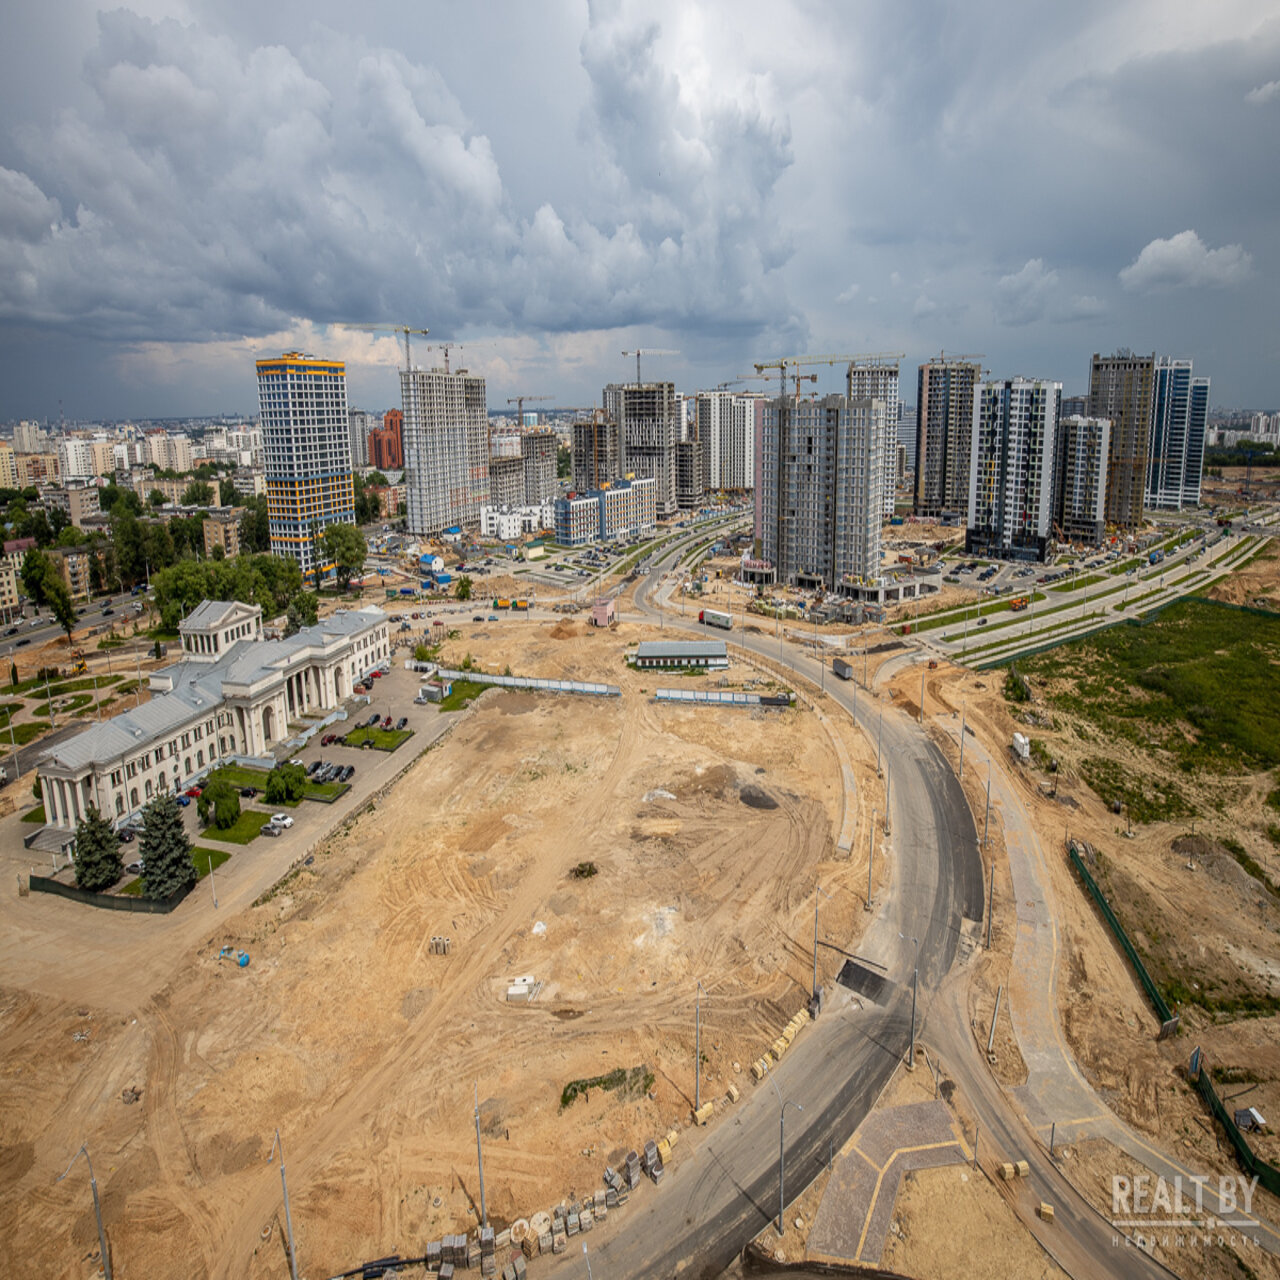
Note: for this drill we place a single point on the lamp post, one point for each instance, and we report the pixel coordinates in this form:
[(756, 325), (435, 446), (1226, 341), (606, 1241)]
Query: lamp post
[(288, 1220), (915, 983), (97, 1206), (697, 1046), (879, 736), (212, 886), (484, 1215), (782, 1147), (871, 848), (819, 890)]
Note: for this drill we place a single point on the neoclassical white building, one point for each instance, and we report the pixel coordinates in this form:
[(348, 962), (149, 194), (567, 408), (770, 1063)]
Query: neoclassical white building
[(232, 694)]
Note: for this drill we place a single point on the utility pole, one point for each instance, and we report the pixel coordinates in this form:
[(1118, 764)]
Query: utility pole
[(288, 1221), (888, 791), (97, 1206), (212, 886), (819, 890), (697, 1047), (991, 902), (879, 735), (986, 822), (53, 724), (484, 1215), (915, 986), (871, 849), (922, 676), (962, 711)]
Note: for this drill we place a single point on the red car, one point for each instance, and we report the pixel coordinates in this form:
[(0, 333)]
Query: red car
[(386, 724), (376, 675), (328, 738), (192, 792)]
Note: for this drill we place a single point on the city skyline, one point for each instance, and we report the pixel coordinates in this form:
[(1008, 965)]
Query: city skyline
[(184, 192)]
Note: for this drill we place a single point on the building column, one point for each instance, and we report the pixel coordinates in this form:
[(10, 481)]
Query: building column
[(47, 787)]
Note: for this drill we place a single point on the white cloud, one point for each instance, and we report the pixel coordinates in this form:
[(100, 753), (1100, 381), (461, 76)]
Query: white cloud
[(1185, 261), (924, 306), (849, 294), (1263, 93), (1023, 296)]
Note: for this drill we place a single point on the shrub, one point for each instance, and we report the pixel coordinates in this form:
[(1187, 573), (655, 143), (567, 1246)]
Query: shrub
[(285, 783)]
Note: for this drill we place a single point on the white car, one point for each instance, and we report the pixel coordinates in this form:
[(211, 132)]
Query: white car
[(281, 820)]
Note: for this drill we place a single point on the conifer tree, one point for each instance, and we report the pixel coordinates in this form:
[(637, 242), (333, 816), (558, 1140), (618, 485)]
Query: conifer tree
[(97, 853), (164, 849)]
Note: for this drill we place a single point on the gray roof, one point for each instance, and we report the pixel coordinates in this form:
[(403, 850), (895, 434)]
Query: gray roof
[(682, 649), (197, 689), (210, 613)]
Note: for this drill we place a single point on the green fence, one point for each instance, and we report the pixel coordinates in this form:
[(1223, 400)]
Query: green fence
[(107, 901), (1168, 1020), (1266, 1174)]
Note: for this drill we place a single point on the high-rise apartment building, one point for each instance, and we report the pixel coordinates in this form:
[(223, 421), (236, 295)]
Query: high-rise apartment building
[(691, 489), (820, 491), (944, 427), (1122, 390), (1080, 501), (1179, 417), (538, 448), (876, 378), (648, 419), (29, 438), (725, 425), (360, 423), (446, 448), (385, 444), (595, 452), (1011, 469), (8, 467), (306, 444)]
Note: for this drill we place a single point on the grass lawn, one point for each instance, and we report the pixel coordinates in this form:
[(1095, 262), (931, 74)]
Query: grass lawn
[(327, 790), (464, 691), (239, 775), (1073, 583), (34, 815), (247, 827), (24, 733), (200, 857), (7, 711), (1199, 682), (382, 739)]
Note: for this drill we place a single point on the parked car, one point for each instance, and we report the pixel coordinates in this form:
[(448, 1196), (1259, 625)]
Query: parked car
[(270, 829), (493, 617), (281, 820), (134, 868), (183, 801), (404, 720), (107, 612), (125, 836), (372, 720), (386, 724), (479, 617), (192, 793), (248, 792), (347, 773), (13, 631), (24, 640)]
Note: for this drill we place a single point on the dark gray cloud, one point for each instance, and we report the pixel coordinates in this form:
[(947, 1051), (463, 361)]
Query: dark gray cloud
[(553, 184)]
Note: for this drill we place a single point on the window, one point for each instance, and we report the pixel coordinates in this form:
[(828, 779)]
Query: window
[(148, 788)]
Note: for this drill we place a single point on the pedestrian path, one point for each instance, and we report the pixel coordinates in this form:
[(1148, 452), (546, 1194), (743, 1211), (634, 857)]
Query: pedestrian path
[(853, 1220)]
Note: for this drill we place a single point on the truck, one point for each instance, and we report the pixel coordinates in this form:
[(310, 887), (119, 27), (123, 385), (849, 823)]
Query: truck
[(1019, 604), (714, 618), (1155, 557), (843, 669)]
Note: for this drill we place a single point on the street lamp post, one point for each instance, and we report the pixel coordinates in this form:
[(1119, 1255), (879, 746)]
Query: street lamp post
[(697, 1047), (782, 1148), (915, 984), (962, 712), (879, 735), (212, 886), (484, 1215), (819, 890), (97, 1206), (288, 1220), (871, 849)]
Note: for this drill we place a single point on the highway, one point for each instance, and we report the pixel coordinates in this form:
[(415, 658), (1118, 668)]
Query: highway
[(725, 1191)]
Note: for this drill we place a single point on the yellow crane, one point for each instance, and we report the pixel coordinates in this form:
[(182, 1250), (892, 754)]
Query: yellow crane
[(647, 351), (403, 329)]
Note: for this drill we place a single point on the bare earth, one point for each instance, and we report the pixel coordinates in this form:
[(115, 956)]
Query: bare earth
[(365, 1048)]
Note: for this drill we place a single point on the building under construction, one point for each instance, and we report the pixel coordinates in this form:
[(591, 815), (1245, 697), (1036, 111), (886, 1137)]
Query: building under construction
[(446, 448), (944, 434), (1121, 389), (648, 418), (595, 452)]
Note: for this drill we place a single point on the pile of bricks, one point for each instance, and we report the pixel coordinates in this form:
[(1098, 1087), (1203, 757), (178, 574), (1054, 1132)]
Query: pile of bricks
[(784, 1042)]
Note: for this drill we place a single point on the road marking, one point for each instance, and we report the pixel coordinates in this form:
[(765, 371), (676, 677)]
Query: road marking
[(875, 1191)]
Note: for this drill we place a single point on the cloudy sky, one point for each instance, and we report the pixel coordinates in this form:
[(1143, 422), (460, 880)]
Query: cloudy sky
[(186, 186)]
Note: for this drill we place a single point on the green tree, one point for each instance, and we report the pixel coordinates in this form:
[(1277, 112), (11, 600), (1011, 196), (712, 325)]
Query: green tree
[(156, 499), (36, 573), (13, 674), (227, 495), (463, 588), (221, 802), (199, 493), (164, 849), (376, 479), (564, 462), (286, 783), (344, 544), (97, 853), (63, 610), (255, 526), (303, 611)]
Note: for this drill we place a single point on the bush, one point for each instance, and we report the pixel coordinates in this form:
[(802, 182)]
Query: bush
[(220, 803), (286, 783)]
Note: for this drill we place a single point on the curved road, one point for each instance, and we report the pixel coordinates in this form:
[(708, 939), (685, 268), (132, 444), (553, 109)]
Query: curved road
[(728, 1186), (726, 1190)]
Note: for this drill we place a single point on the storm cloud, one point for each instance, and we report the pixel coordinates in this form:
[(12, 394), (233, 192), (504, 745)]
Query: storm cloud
[(552, 184)]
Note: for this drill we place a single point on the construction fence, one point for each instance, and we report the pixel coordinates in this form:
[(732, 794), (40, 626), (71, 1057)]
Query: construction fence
[(1168, 1019), (1268, 1175), (725, 697), (536, 683)]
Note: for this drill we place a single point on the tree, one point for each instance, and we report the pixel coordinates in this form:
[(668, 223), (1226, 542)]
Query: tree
[(227, 495), (63, 610), (303, 611), (164, 849), (13, 674), (199, 493), (97, 853), (463, 588), (220, 801), (564, 462), (156, 498), (255, 526), (285, 783), (344, 544), (36, 573), (376, 480)]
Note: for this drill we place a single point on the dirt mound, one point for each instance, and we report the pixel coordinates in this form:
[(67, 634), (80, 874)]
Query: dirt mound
[(755, 798), (565, 631)]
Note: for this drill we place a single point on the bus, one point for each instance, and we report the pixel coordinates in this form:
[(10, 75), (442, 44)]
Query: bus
[(714, 618)]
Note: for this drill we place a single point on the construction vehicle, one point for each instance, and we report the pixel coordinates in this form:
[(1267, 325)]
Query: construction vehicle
[(1019, 604), (79, 667)]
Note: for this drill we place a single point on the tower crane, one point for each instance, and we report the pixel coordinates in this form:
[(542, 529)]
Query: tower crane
[(403, 329), (519, 402), (647, 351), (446, 347)]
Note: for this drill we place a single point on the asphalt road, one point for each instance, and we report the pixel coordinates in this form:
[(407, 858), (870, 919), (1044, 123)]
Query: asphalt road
[(723, 1194), (728, 1186)]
